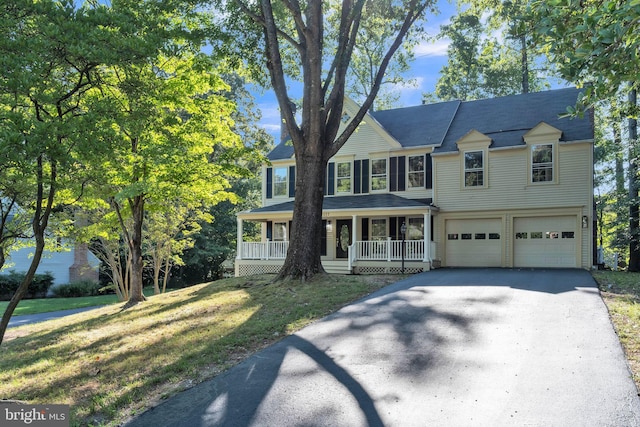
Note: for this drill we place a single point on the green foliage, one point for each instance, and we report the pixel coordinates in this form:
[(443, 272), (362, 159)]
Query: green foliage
[(593, 43), (490, 54), (375, 32), (37, 289), (77, 289)]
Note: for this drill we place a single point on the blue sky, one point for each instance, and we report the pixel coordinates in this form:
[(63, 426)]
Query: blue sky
[(430, 57)]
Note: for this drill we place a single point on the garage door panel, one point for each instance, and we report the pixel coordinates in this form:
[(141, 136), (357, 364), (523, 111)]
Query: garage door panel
[(545, 242), (473, 243)]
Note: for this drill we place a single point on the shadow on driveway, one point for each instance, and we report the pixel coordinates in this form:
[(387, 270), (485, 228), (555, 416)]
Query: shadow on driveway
[(447, 347)]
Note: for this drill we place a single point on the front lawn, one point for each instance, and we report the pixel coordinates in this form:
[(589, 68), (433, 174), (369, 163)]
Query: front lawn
[(109, 364), (621, 293), (45, 305)]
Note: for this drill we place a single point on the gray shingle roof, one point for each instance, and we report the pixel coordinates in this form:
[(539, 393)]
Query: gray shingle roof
[(419, 125), (284, 150), (504, 119), (364, 201)]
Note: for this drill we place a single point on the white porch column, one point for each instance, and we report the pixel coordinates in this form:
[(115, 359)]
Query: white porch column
[(239, 238), (427, 237), (354, 233)]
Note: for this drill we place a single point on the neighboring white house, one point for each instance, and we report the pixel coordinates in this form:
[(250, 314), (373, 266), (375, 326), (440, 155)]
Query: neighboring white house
[(502, 182), (71, 264)]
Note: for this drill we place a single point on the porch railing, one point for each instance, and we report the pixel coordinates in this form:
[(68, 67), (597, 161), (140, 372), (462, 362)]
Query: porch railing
[(374, 250), (264, 250), (389, 250)]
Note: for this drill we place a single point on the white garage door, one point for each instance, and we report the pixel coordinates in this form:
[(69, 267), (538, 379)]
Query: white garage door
[(545, 242), (473, 243)]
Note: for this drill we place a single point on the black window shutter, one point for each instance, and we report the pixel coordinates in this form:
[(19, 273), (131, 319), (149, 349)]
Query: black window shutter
[(365, 176), (393, 228), (269, 230), (428, 171), (357, 179), (431, 225), (269, 183), (393, 174), (323, 239), (331, 177), (292, 181), (365, 229), (402, 165)]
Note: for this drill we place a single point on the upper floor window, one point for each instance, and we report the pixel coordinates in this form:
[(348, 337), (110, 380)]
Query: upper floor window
[(473, 169), (280, 180), (343, 177), (542, 163), (379, 174), (416, 171)]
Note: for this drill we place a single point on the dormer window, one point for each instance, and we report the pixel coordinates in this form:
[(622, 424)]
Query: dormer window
[(542, 163), (473, 169)]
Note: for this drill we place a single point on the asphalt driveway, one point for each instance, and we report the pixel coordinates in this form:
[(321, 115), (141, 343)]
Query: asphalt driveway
[(450, 347)]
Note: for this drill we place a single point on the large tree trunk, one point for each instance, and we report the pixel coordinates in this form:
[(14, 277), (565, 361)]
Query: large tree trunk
[(39, 225), (137, 265), (634, 213), (303, 257), (24, 286)]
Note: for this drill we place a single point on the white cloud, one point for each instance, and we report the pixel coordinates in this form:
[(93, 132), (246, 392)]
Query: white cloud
[(271, 127), (432, 48)]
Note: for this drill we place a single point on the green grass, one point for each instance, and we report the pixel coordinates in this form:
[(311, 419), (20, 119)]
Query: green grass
[(109, 364), (621, 293), (46, 305)]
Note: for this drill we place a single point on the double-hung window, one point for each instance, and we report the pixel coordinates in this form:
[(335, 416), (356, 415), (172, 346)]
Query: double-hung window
[(280, 180), (542, 163), (474, 169), (343, 177), (280, 231), (379, 229), (415, 229), (378, 174), (416, 171)]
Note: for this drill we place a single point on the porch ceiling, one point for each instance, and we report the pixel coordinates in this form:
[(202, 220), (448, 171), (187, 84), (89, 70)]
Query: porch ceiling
[(350, 203)]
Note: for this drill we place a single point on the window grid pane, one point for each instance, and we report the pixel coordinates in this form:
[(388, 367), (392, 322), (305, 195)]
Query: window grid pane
[(416, 171), (344, 177), (415, 230), (473, 169), (379, 174), (378, 229), (542, 163), (280, 181)]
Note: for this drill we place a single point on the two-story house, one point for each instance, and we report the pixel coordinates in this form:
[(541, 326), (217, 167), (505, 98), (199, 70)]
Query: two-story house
[(502, 182)]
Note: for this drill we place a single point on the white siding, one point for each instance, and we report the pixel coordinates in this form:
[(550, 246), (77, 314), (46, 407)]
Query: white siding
[(363, 141), (508, 181), (56, 263), (509, 193)]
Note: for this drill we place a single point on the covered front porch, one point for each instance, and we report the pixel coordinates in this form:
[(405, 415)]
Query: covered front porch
[(369, 235)]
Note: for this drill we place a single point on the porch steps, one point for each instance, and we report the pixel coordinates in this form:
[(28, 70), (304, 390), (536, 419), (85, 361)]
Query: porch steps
[(336, 267)]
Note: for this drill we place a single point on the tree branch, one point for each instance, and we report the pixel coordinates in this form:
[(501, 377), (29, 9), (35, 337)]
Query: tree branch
[(415, 11)]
